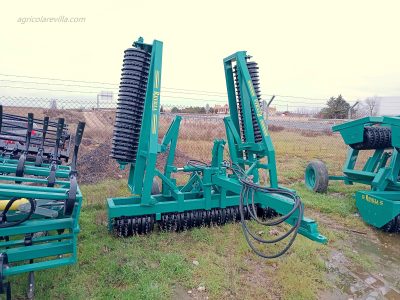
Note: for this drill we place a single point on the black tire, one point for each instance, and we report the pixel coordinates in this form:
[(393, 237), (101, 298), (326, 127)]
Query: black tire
[(393, 226), (375, 138), (316, 176)]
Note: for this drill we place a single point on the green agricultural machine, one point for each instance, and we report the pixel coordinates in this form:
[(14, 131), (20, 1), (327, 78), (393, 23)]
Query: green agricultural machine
[(379, 206), (40, 199), (217, 192)]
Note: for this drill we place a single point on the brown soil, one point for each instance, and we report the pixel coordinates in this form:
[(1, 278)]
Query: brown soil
[(95, 163)]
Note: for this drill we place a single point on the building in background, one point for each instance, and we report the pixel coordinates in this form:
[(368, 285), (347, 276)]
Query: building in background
[(388, 106), (221, 109), (104, 97)]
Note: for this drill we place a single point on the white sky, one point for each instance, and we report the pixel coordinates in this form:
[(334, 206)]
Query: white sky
[(314, 49)]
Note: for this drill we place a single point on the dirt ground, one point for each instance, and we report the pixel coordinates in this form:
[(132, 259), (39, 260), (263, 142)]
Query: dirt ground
[(376, 274), (95, 163)]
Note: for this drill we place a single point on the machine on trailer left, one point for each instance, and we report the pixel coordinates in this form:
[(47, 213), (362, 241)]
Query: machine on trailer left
[(40, 197)]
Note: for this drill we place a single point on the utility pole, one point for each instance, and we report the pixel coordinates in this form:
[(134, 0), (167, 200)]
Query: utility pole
[(349, 114), (266, 107)]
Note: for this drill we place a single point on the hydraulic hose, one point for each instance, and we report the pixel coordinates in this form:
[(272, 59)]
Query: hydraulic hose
[(249, 188), (5, 224)]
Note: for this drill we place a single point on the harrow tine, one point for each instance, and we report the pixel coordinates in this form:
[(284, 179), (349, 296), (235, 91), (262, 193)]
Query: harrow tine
[(78, 138), (55, 158), (39, 156), (21, 161), (60, 128)]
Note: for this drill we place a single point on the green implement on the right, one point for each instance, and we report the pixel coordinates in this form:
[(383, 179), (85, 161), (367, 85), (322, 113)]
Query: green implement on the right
[(379, 206)]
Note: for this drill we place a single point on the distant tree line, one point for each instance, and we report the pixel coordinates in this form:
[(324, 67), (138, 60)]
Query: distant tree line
[(191, 110), (339, 108)]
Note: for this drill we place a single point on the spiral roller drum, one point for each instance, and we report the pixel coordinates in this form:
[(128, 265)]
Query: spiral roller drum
[(253, 70), (131, 98)]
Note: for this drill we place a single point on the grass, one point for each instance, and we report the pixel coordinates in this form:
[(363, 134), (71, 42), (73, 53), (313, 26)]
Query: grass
[(335, 201), (151, 267), (160, 265)]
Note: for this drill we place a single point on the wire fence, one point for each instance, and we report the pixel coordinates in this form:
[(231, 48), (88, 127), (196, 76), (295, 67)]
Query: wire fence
[(298, 138)]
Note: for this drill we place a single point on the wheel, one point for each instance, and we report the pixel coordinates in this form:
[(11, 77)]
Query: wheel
[(155, 188), (316, 176), (393, 226)]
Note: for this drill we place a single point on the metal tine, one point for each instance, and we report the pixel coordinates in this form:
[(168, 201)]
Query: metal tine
[(22, 118), (21, 161), (60, 128), (39, 156), (29, 132), (51, 179), (78, 138)]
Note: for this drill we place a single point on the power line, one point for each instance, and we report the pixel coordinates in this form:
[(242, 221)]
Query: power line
[(39, 89), (165, 93), (55, 79), (297, 97), (94, 87), (183, 91)]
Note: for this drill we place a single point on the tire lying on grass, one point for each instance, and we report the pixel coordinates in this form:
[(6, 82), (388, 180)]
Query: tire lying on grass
[(316, 176)]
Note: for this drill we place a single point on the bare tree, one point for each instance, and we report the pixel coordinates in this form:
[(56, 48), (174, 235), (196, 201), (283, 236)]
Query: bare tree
[(372, 104)]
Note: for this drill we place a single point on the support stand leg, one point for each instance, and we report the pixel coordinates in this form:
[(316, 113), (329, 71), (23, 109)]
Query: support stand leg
[(31, 286)]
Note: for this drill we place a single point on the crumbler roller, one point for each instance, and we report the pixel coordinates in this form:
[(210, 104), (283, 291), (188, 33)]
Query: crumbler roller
[(216, 193)]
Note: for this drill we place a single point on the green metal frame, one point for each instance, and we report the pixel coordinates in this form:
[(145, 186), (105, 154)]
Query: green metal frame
[(59, 246), (381, 171), (49, 238), (208, 187), (254, 151)]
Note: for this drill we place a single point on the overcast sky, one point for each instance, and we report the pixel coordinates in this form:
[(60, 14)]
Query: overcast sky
[(312, 49)]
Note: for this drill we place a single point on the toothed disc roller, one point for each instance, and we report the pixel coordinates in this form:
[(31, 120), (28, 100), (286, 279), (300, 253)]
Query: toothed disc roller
[(253, 70), (375, 138), (131, 97), (181, 221)]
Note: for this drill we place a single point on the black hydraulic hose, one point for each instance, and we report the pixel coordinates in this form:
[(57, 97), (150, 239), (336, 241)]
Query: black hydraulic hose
[(197, 163), (297, 203), (273, 191), (248, 234), (248, 186), (15, 223)]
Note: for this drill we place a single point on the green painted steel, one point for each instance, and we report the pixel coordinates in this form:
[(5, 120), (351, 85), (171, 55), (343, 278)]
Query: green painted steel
[(60, 240), (209, 186), (378, 208), (48, 237), (381, 171)]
